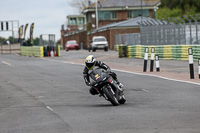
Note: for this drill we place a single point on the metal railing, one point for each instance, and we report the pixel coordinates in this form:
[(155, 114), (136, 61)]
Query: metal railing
[(167, 32)]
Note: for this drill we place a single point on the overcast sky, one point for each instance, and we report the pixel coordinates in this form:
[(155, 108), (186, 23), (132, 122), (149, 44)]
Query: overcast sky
[(48, 15)]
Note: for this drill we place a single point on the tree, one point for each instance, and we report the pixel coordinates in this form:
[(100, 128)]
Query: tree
[(58, 42), (36, 41), (13, 40), (79, 4), (175, 8), (2, 39)]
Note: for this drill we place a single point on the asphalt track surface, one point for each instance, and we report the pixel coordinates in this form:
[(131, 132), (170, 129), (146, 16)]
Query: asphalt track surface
[(48, 95)]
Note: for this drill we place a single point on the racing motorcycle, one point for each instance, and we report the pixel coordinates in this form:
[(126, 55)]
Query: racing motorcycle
[(106, 86)]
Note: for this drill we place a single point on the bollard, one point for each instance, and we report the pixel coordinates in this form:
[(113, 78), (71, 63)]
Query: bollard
[(157, 63), (145, 59), (152, 59), (120, 51), (191, 63), (199, 68), (125, 51)]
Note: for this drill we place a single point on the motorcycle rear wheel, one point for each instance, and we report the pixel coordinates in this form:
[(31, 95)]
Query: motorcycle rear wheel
[(111, 97)]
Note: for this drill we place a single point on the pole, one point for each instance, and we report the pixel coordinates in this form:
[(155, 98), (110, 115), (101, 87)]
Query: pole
[(157, 63), (199, 67), (141, 10), (1, 48), (12, 37), (96, 15), (145, 59), (191, 63), (152, 59)]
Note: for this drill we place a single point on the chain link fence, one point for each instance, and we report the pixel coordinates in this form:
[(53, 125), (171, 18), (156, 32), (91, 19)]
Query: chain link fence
[(128, 39), (163, 34)]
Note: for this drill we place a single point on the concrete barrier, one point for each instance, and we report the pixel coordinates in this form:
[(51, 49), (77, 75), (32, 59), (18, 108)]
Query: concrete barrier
[(37, 51)]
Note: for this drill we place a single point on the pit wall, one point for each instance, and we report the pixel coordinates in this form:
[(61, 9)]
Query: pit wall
[(37, 51), (171, 52)]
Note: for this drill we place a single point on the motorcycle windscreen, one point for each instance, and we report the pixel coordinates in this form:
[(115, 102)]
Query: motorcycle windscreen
[(97, 75)]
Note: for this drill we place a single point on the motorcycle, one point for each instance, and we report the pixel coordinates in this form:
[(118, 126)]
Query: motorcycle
[(106, 86)]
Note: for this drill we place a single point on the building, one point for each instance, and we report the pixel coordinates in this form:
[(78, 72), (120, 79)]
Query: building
[(114, 17), (111, 11), (75, 22)]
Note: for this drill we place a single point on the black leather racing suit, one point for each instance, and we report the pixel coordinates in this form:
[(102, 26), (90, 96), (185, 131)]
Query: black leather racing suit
[(101, 65)]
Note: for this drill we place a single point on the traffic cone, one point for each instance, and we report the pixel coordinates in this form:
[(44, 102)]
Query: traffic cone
[(55, 53)]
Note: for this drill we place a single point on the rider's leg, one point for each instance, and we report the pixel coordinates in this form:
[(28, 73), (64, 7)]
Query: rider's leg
[(114, 75)]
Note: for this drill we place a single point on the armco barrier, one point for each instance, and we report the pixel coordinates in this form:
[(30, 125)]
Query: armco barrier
[(172, 52), (37, 51)]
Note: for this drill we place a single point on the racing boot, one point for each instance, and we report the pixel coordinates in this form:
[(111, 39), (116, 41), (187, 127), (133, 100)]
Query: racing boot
[(120, 85)]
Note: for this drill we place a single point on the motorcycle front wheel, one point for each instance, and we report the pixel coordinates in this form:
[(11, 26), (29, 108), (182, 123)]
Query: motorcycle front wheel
[(110, 94), (122, 100)]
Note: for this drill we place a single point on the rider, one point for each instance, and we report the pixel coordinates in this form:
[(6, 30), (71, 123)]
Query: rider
[(90, 62)]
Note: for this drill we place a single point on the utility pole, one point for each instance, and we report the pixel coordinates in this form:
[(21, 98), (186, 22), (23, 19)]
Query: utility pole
[(141, 11), (96, 15)]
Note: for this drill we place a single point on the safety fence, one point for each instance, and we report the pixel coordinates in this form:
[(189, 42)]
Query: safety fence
[(172, 52), (37, 51), (128, 39), (10, 48)]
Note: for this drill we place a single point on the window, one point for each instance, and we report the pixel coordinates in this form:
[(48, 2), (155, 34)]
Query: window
[(144, 13), (99, 39), (113, 15), (104, 15), (72, 21), (137, 13), (129, 14), (107, 15), (80, 20)]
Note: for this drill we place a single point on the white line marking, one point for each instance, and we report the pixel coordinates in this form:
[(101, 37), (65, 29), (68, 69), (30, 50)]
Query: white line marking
[(49, 108), (6, 63), (142, 74), (145, 90), (157, 77)]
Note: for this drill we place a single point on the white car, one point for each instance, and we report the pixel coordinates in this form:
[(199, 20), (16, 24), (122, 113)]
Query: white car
[(98, 42)]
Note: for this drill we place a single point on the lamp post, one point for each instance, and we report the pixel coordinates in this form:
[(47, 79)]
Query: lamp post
[(96, 15), (141, 11)]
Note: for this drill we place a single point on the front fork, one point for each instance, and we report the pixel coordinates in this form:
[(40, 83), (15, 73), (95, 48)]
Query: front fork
[(117, 89), (119, 92)]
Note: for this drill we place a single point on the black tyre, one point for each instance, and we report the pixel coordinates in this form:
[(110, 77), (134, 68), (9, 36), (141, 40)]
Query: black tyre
[(106, 49), (93, 49), (111, 96), (122, 100)]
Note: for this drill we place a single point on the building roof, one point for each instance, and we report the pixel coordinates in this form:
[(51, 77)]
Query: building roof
[(109, 5), (124, 3), (77, 16), (128, 23)]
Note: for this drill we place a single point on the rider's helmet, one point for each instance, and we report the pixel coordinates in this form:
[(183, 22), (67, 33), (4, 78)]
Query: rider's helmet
[(90, 62)]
